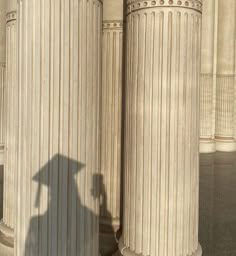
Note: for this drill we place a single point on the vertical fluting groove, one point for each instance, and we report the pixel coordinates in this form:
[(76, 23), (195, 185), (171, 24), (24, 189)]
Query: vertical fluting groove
[(161, 128), (225, 106), (111, 121), (9, 99), (2, 92), (206, 106), (225, 76), (59, 105)]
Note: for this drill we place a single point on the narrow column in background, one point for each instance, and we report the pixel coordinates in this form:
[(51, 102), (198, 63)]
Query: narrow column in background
[(2, 98), (8, 17), (112, 81), (207, 88), (2, 74), (59, 137), (161, 179), (225, 89), (11, 126)]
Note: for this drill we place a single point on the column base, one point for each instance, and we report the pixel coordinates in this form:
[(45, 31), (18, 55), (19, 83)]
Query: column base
[(108, 237), (108, 244), (6, 240), (125, 251), (207, 145), (225, 144)]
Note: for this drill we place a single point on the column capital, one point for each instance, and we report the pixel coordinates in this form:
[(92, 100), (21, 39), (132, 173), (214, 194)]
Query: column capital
[(136, 5), (113, 24), (11, 16)]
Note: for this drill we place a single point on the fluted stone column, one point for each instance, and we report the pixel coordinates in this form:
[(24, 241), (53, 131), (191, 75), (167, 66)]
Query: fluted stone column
[(161, 176), (11, 125), (2, 76), (59, 137), (225, 90), (6, 232), (207, 82), (112, 82)]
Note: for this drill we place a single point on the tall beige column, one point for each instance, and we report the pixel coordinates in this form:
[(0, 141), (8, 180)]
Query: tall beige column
[(112, 82), (2, 76), (162, 128), (11, 125), (59, 137), (207, 82), (225, 106)]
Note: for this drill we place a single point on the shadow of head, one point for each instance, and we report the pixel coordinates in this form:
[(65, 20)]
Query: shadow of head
[(60, 169)]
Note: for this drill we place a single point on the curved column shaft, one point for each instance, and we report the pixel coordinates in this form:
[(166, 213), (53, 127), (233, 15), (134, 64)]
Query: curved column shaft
[(207, 82), (225, 89), (2, 99), (162, 128), (11, 128), (2, 74), (59, 137), (11, 125)]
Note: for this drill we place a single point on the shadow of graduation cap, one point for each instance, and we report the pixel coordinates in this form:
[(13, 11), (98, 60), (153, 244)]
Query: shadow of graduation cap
[(59, 163)]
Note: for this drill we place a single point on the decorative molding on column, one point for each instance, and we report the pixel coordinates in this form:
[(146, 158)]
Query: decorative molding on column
[(113, 25), (225, 113), (59, 132), (11, 16), (137, 5), (161, 163)]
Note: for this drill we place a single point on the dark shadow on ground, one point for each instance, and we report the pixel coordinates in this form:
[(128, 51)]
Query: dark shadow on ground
[(217, 233)]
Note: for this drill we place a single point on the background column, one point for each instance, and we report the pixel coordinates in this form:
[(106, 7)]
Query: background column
[(225, 90), (2, 74), (59, 132), (112, 82), (11, 125), (2, 98), (6, 232), (207, 82), (162, 128)]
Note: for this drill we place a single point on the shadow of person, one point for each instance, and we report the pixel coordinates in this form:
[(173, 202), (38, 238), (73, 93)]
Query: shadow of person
[(108, 238), (64, 221)]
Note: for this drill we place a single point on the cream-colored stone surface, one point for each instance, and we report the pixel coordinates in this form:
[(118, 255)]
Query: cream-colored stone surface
[(161, 165), (2, 72), (207, 82), (12, 114), (113, 10), (218, 94), (112, 83), (225, 90), (59, 136)]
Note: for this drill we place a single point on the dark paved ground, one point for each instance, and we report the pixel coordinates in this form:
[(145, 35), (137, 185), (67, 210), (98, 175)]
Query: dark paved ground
[(217, 232)]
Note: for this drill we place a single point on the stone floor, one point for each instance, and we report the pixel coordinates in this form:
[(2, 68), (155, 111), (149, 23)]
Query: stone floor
[(217, 233)]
